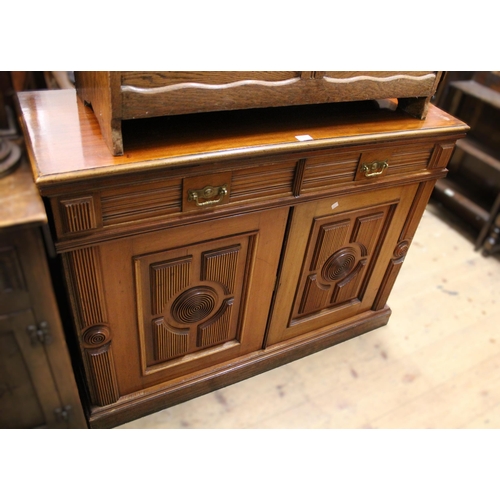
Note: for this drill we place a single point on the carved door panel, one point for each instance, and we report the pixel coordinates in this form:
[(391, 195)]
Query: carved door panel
[(189, 295), (337, 253), (174, 302)]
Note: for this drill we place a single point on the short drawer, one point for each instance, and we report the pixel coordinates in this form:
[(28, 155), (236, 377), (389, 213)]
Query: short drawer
[(171, 197), (328, 170), (212, 187)]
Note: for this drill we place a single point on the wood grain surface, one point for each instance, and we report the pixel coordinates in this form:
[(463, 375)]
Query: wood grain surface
[(65, 141)]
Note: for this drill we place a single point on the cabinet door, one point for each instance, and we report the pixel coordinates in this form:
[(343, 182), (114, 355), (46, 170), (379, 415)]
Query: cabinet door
[(337, 253), (28, 395), (175, 301), (37, 386)]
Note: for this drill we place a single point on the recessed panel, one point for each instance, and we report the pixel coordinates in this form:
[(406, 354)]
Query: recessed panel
[(189, 303), (336, 256), (338, 259)]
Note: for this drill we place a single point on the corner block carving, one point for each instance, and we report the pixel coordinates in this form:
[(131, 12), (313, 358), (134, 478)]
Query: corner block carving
[(79, 214), (441, 155)]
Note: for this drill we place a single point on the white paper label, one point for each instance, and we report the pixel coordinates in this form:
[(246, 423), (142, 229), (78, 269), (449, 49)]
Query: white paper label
[(335, 205), (303, 138)]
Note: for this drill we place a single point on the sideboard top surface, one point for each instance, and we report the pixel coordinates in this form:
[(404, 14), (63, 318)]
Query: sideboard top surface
[(65, 142)]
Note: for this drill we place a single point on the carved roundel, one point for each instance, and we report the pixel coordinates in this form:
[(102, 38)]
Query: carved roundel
[(401, 249), (96, 336), (194, 304), (340, 264)]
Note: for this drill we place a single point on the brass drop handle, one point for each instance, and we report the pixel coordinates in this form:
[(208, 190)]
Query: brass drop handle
[(208, 193), (375, 168)]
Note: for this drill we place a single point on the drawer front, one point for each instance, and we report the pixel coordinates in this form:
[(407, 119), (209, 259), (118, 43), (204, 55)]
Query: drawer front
[(279, 179), (173, 197), (328, 170)]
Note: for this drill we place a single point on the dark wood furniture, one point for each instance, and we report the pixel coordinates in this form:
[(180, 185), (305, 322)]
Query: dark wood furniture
[(124, 95), (472, 188), (221, 247), (37, 385)]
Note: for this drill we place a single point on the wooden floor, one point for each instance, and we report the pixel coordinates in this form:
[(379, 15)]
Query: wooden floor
[(435, 365)]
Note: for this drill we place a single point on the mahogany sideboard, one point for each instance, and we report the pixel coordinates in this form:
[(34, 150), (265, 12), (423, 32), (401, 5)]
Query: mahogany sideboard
[(222, 245)]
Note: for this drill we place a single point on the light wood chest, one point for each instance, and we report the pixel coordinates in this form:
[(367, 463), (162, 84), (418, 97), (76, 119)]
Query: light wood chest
[(118, 96)]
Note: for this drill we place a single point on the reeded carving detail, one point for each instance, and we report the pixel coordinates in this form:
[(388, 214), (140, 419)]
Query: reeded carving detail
[(216, 330), (330, 238), (220, 266), (85, 269), (79, 214), (167, 279), (347, 288), (315, 295), (409, 159), (104, 385), (194, 305), (275, 177), (155, 199), (365, 231), (86, 273), (169, 342)]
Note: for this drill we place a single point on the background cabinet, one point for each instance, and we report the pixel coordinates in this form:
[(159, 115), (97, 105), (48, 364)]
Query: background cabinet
[(472, 189), (37, 385)]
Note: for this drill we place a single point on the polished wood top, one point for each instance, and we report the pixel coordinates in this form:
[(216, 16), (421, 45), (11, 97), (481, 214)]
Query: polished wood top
[(65, 143), (21, 204)]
